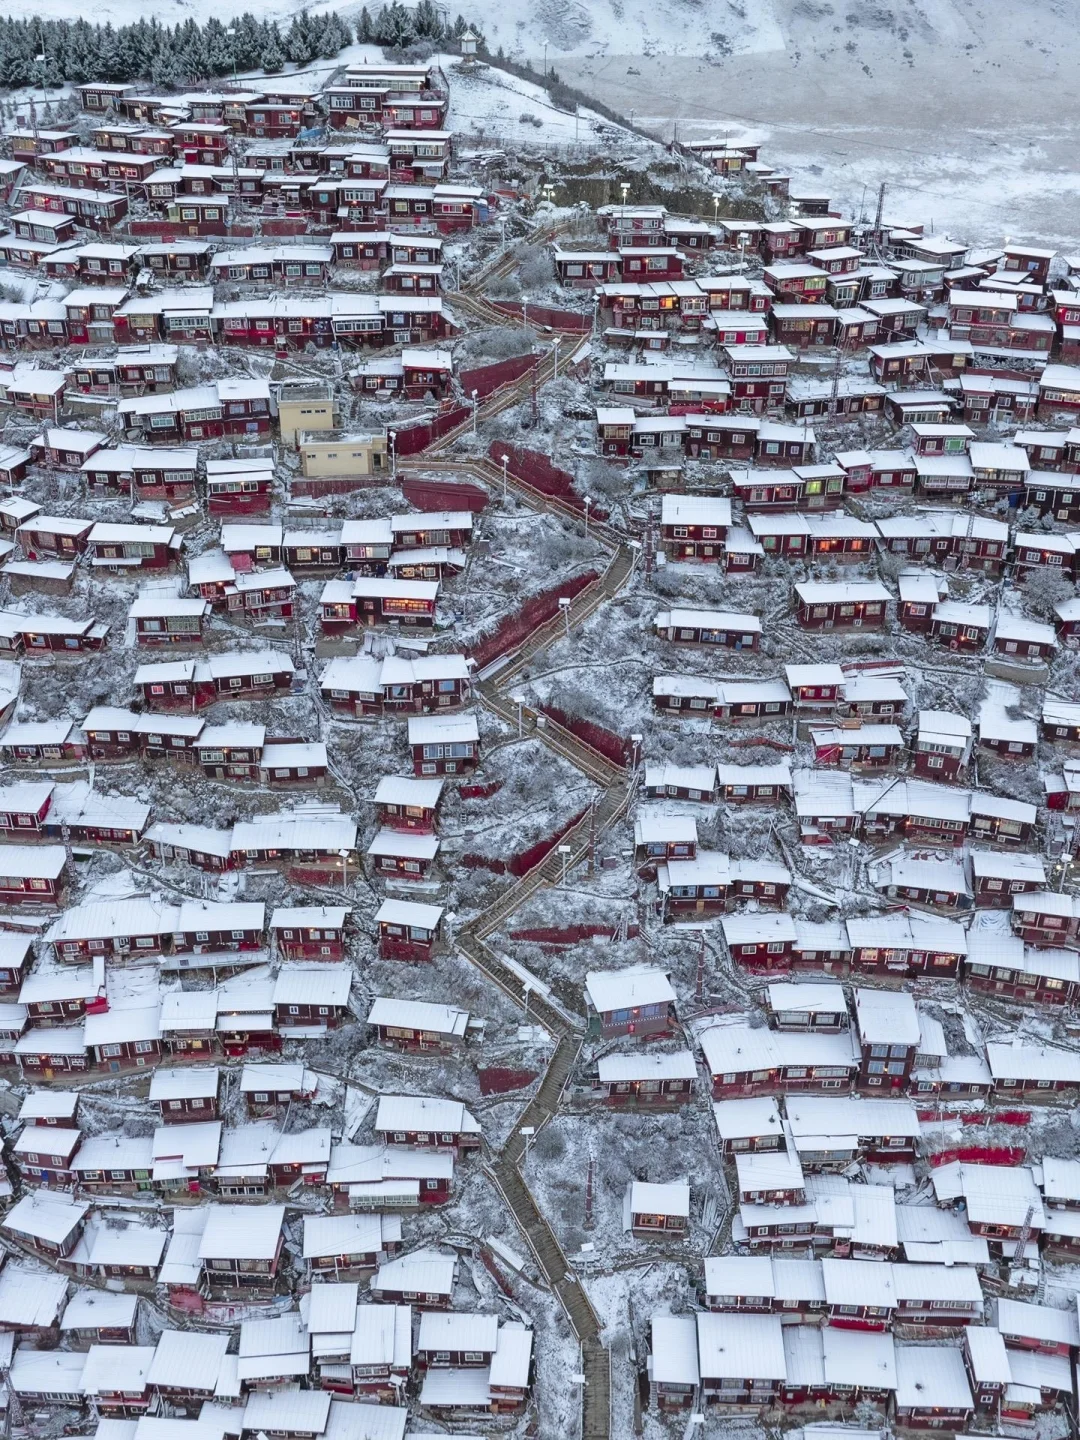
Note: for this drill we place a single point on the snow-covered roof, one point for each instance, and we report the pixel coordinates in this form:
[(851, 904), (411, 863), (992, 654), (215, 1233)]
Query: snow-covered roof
[(748, 1346), (32, 1296), (650, 1198), (628, 989), (427, 1272), (424, 1113), (746, 1118), (886, 1017), (677, 1065), (806, 997), (735, 1048), (419, 1015), (45, 1217), (931, 1377), (409, 912), (91, 1309), (242, 1232)]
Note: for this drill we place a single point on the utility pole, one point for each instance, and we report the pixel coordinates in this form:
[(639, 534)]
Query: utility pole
[(834, 391), (590, 1190), (880, 206), (700, 991)]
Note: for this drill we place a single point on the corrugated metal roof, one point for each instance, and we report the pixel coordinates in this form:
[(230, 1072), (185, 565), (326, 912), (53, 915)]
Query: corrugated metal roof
[(674, 1350), (31, 1297), (625, 989), (342, 1235), (111, 1368), (745, 1347), (332, 1307), (91, 1309), (288, 1408), (406, 1113), (352, 1420), (931, 1376), (187, 1359), (859, 1357), (242, 1232), (1038, 1322), (424, 1272), (739, 1275)]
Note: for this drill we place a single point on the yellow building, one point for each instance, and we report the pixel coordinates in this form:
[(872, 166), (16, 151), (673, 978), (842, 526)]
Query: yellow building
[(304, 407), (324, 456)]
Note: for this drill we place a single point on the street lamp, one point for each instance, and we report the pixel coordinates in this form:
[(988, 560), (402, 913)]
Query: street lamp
[(625, 188), (344, 870), (528, 1131), (564, 606), (391, 435), (715, 207), (587, 502), (564, 851), (555, 372), (525, 311), (474, 407), (505, 463), (519, 701)]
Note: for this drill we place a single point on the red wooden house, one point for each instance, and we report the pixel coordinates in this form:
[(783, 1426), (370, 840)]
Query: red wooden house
[(310, 932), (758, 376), (847, 605), (444, 744), (640, 1080), (129, 548), (263, 595), (33, 874), (53, 537), (408, 930)]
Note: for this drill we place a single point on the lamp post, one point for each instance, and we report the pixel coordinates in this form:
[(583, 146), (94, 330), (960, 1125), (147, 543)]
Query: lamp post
[(344, 870), (234, 35), (391, 435), (625, 188), (474, 409), (528, 1131), (587, 501), (555, 371), (564, 606), (564, 851), (715, 207), (525, 312), (505, 463), (519, 701)]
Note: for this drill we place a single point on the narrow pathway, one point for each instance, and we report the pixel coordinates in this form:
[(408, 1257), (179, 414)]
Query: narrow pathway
[(616, 783)]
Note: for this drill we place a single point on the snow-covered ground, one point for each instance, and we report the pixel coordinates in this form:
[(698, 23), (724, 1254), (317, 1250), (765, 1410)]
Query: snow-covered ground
[(971, 121)]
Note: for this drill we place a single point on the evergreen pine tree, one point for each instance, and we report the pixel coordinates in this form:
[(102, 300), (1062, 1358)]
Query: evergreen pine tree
[(298, 41), (272, 59)]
